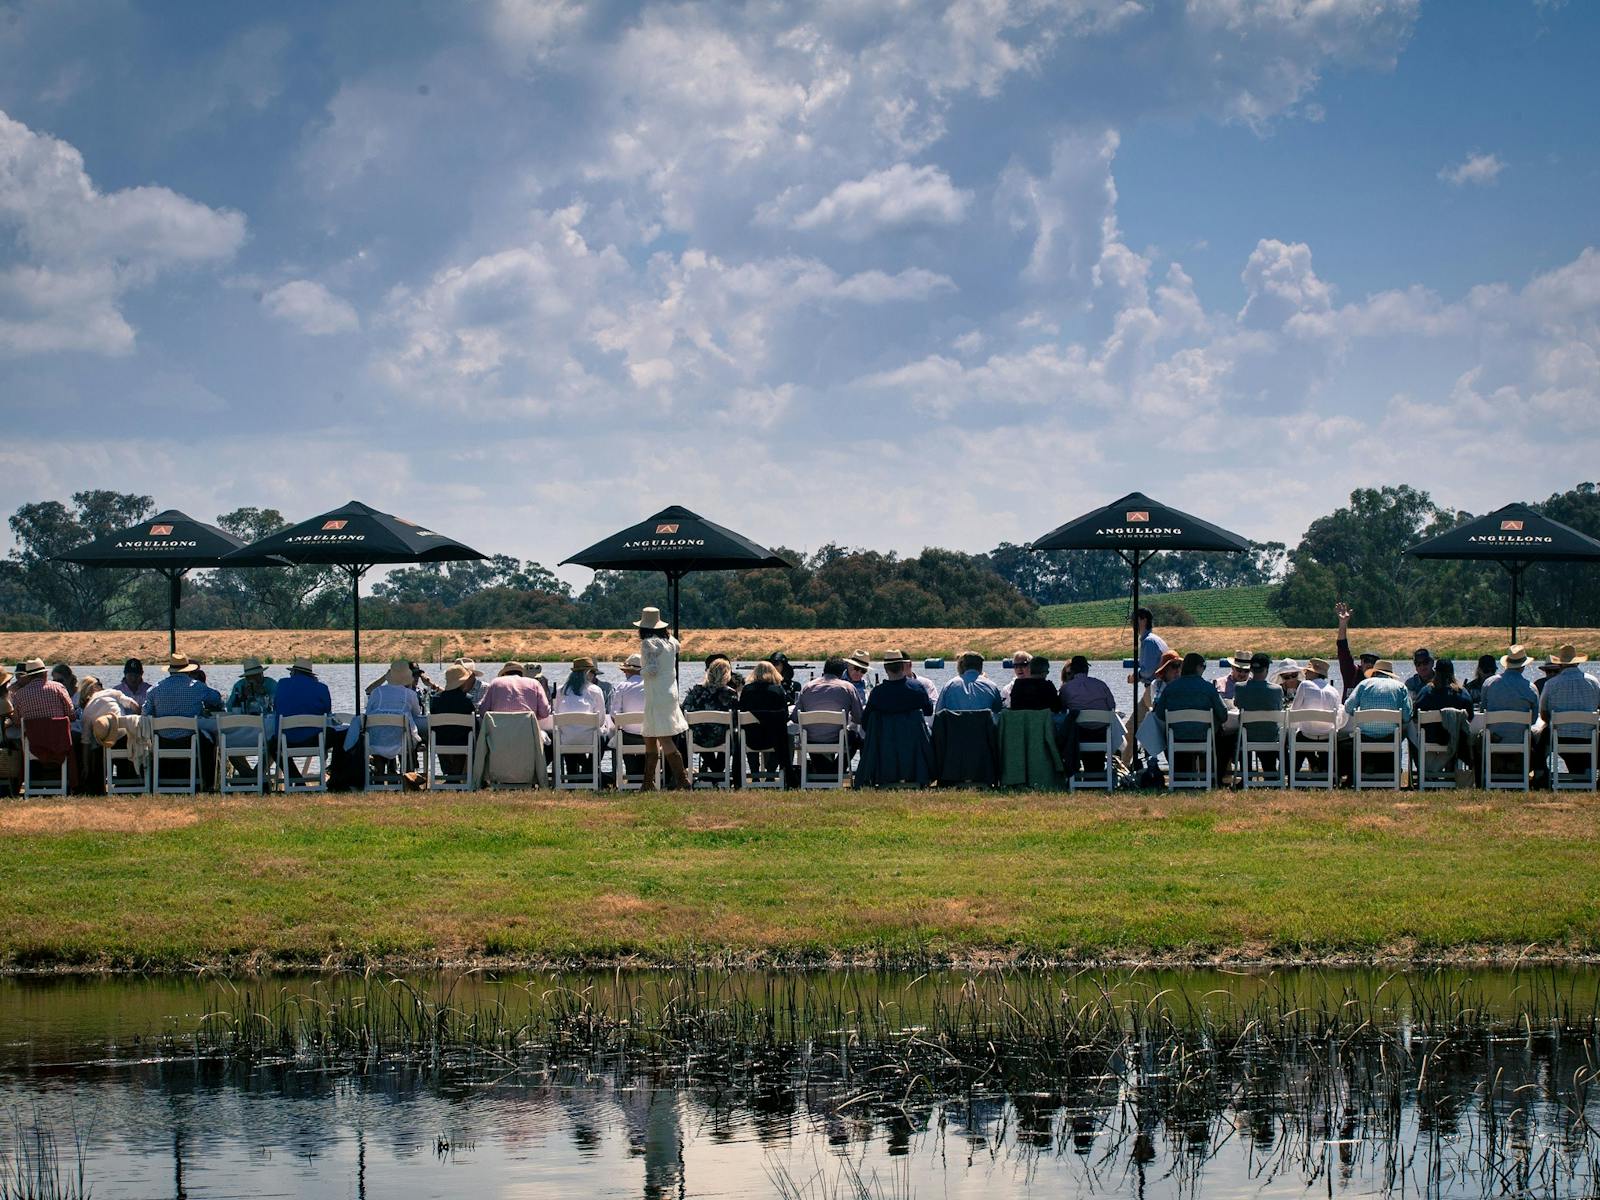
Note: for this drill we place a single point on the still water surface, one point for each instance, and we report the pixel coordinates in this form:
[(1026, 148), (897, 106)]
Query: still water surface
[(825, 1084)]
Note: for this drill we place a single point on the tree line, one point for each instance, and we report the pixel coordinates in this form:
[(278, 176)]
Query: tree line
[(1356, 554)]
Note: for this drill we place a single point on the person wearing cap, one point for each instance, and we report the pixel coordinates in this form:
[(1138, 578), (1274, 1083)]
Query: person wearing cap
[(791, 688), (455, 699), (1238, 670), (855, 670), (301, 694), (1511, 691), (1188, 691), (971, 690), (1421, 671), (132, 684), (1381, 690), (663, 715), (581, 694), (253, 691), (1019, 671), (515, 690), (1258, 693), (395, 695), (1570, 689), (182, 694), (1351, 672)]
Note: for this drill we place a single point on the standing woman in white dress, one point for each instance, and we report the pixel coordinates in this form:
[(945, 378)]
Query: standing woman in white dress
[(663, 717)]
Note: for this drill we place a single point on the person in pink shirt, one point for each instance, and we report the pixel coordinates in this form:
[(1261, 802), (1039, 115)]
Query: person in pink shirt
[(513, 691)]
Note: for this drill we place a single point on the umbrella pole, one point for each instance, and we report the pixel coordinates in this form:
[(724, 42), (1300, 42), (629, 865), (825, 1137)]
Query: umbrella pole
[(1516, 590), (355, 625), (174, 599)]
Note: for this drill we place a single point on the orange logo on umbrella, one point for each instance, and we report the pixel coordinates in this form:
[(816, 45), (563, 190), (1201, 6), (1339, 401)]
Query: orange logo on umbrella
[(161, 531), (666, 529), (1513, 526), (1134, 517), (333, 524)]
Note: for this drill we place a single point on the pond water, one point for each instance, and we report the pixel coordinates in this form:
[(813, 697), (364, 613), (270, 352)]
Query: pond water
[(1350, 1083)]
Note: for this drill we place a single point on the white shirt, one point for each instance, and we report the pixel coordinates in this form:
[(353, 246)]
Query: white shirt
[(627, 696), (593, 700), (107, 702)]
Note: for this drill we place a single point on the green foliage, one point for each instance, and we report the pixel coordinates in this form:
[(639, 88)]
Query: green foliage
[(67, 595), (1238, 607)]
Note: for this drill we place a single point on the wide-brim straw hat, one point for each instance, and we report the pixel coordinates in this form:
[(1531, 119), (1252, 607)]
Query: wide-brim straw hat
[(457, 676), (399, 673), (1241, 660), (1169, 658), (1288, 667), (859, 661), (1514, 659), (583, 664), (303, 665), (1315, 666), (651, 620), (891, 657), (510, 668), (634, 662), (1568, 656), (179, 664), (31, 668), (1383, 667), (252, 666)]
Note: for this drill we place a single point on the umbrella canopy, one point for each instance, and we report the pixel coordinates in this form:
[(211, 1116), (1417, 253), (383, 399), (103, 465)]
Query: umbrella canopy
[(353, 537), (676, 541), (170, 542), (1134, 528), (1515, 537)]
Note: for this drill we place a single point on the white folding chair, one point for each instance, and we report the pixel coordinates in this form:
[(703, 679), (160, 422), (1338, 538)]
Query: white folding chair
[(1312, 734), (626, 779), (56, 775), (304, 778), (1429, 776), (768, 770), (577, 733), (1574, 733), (811, 723), (392, 767), (136, 781), (241, 737), (723, 722), (1205, 747), (1362, 748), (1107, 778), (1519, 751), (170, 750), (1264, 777), (440, 780)]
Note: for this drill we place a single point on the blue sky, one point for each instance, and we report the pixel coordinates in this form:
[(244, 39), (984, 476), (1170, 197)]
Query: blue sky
[(870, 271)]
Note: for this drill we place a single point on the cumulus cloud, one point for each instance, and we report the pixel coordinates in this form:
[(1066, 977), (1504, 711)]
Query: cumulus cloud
[(311, 308), (78, 250), (896, 196), (1477, 168)]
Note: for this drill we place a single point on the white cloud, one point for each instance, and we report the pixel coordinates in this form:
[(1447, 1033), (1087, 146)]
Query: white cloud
[(1070, 213), (896, 196), (311, 308), (80, 249), (1281, 284), (1477, 168)]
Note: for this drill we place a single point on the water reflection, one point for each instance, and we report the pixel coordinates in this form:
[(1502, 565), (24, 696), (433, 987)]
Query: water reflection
[(1277, 1084)]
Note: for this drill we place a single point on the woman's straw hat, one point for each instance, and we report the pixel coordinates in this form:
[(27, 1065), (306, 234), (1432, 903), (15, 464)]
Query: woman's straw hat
[(651, 620), (457, 676), (586, 664), (1384, 667), (399, 673), (1315, 666)]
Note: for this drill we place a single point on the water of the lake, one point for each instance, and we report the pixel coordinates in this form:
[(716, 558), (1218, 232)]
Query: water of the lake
[(1349, 1083)]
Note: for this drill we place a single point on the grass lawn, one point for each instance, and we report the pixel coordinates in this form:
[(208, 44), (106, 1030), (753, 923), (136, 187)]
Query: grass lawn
[(1240, 607), (165, 882)]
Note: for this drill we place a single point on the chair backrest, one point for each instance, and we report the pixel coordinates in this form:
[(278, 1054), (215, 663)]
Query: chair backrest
[(579, 720), (826, 717), (1376, 716), (718, 720), (175, 724), (748, 720), (1430, 718), (631, 722), (1253, 719), (343, 718), (386, 721), (1577, 721), (310, 721), (451, 721), (1510, 717), (1189, 716), (1312, 717)]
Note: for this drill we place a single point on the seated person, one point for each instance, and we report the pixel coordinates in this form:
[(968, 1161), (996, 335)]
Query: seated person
[(301, 694), (455, 699), (712, 694), (1259, 694), (1238, 670), (1570, 690), (971, 690), (184, 693), (1511, 692), (1441, 693), (100, 708), (516, 689), (832, 692), (395, 695), (764, 698), (1082, 692), (896, 750), (1380, 691), (1034, 690), (252, 693), (1191, 691), (580, 694)]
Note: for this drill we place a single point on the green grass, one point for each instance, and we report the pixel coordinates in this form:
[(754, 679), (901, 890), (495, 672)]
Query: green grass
[(1241, 606), (795, 877)]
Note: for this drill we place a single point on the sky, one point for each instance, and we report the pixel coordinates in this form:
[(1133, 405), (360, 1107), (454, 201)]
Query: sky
[(887, 273)]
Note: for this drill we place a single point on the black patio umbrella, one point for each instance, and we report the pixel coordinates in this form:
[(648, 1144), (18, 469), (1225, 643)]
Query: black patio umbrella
[(676, 541), (1134, 528), (1516, 537), (171, 542), (354, 537)]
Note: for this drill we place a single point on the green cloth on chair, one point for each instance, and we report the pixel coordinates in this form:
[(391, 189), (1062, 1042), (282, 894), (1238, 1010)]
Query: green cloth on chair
[(1028, 753)]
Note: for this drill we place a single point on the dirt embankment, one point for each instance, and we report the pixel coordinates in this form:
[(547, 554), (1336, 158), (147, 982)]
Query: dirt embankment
[(554, 645)]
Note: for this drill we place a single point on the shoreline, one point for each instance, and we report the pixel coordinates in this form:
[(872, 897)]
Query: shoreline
[(277, 647)]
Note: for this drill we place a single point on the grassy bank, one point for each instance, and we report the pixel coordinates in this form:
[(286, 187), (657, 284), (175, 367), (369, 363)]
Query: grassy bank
[(1230, 608), (279, 646), (168, 883)]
